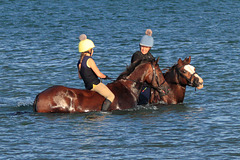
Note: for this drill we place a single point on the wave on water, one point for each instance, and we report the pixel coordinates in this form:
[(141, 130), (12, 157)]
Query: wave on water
[(27, 105), (15, 105)]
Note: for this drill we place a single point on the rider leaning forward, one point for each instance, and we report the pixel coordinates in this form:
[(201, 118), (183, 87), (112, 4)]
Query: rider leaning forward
[(146, 44), (89, 72)]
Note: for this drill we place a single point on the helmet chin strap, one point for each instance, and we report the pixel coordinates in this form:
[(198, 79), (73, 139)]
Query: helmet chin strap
[(90, 52)]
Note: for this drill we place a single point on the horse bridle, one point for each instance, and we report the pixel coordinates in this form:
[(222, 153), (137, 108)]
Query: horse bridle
[(160, 87), (189, 81)]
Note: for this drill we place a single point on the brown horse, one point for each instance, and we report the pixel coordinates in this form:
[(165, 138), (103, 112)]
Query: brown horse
[(126, 89), (178, 77)]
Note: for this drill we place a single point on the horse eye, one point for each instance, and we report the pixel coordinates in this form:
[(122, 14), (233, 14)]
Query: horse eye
[(184, 71)]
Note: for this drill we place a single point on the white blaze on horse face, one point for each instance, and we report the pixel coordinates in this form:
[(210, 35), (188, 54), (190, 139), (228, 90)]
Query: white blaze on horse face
[(191, 70)]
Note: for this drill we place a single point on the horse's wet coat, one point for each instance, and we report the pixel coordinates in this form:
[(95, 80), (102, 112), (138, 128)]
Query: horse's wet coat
[(65, 101)]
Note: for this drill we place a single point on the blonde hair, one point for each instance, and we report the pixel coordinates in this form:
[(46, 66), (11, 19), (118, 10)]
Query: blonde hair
[(83, 54)]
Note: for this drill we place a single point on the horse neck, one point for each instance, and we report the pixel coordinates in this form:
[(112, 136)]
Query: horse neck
[(135, 80), (138, 75), (171, 76), (177, 91)]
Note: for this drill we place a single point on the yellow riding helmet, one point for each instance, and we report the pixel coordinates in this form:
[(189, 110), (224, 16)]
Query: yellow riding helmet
[(85, 45)]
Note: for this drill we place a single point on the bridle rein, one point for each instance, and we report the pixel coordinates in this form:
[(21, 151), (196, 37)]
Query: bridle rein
[(160, 87)]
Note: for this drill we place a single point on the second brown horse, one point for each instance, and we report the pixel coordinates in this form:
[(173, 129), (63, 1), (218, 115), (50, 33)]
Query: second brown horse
[(126, 89), (177, 78)]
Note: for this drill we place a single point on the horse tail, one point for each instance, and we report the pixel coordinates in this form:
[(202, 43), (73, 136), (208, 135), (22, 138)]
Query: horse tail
[(35, 104)]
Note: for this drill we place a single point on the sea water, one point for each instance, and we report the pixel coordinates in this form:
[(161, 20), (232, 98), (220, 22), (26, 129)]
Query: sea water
[(39, 49)]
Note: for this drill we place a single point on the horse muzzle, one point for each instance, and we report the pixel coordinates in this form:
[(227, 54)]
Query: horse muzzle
[(197, 82)]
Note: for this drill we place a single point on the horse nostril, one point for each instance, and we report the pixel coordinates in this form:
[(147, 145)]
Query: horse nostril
[(196, 81)]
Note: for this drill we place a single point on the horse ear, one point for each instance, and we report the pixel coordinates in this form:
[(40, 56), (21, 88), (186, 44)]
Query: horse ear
[(189, 59), (157, 60), (180, 61)]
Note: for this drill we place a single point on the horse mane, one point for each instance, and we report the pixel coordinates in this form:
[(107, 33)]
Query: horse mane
[(132, 67), (169, 69)]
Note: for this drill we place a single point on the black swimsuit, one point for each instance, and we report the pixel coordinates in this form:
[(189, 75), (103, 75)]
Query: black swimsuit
[(87, 74)]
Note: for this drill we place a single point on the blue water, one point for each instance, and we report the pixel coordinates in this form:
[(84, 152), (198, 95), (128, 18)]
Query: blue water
[(39, 48)]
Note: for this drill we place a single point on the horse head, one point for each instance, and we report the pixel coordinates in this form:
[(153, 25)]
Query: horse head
[(187, 74), (156, 79)]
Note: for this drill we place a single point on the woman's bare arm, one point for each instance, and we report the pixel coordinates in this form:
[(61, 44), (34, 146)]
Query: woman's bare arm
[(95, 69)]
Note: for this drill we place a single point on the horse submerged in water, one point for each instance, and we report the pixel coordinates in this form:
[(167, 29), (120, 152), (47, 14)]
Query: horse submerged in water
[(177, 78), (126, 89)]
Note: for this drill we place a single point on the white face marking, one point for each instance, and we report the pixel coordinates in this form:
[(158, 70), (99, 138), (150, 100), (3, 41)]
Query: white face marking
[(189, 68)]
